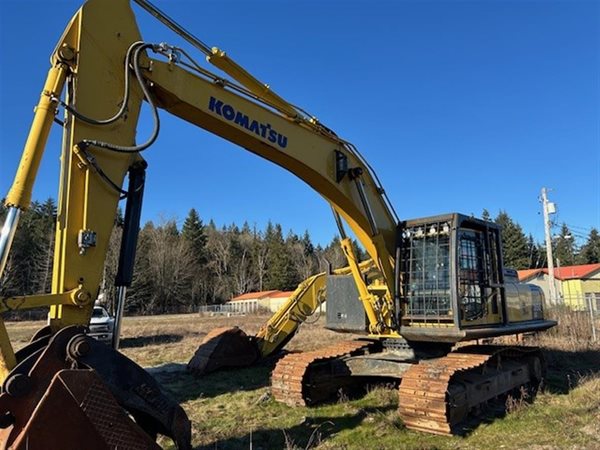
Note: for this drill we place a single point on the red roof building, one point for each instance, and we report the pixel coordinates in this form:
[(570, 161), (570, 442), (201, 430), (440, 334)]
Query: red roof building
[(254, 295), (577, 286), (562, 273)]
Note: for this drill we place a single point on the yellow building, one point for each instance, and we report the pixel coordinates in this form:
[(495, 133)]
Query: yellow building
[(254, 301), (578, 286), (250, 302)]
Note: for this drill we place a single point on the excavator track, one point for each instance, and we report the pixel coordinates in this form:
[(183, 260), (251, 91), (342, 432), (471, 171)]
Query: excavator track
[(439, 396), (303, 379)]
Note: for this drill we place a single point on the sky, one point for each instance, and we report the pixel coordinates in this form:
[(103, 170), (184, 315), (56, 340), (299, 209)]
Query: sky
[(457, 105)]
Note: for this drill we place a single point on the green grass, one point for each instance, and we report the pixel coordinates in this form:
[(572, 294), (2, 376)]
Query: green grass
[(234, 410), (231, 409)]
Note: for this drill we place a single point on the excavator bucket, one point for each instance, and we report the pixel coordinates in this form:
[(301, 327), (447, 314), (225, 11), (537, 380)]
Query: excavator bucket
[(71, 392), (226, 347), (88, 416)]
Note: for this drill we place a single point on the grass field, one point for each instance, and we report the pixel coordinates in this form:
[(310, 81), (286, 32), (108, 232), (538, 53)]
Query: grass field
[(233, 409)]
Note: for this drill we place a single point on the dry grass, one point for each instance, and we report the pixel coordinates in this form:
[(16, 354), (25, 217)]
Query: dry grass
[(574, 331), (232, 409)]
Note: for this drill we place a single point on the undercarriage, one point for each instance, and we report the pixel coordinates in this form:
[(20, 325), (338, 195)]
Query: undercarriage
[(439, 392)]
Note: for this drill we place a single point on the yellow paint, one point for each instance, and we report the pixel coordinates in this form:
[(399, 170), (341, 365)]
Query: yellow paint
[(20, 191), (303, 302), (75, 297), (7, 353), (221, 60), (574, 292), (100, 37)]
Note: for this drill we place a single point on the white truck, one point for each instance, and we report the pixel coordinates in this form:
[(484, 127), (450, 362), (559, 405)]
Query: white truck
[(102, 325)]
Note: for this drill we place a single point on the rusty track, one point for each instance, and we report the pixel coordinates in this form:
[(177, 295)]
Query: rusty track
[(432, 398), (293, 379)]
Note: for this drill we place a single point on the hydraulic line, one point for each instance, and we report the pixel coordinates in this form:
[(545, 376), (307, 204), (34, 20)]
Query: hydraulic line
[(174, 26), (312, 122), (135, 148), (123, 107)]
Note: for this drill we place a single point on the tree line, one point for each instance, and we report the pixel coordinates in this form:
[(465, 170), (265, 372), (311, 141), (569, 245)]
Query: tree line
[(176, 268), (523, 252), (179, 268)]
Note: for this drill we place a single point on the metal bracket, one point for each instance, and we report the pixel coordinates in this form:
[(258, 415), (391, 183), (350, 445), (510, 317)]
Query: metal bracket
[(85, 240)]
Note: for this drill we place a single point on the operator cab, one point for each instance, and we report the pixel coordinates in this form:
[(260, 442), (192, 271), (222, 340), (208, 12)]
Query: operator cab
[(452, 285)]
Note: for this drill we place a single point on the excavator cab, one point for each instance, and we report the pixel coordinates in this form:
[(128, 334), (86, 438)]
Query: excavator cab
[(451, 285), (451, 274)]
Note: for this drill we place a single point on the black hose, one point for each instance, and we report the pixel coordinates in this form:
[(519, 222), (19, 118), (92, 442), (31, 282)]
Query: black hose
[(135, 148), (123, 108)]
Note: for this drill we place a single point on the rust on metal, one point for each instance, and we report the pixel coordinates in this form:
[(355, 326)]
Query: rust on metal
[(52, 388), (226, 347), (79, 405), (291, 381), (433, 397)]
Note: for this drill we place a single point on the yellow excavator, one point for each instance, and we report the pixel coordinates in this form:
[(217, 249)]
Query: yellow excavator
[(438, 281)]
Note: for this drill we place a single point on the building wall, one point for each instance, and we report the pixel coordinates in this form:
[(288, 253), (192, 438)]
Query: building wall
[(543, 282), (265, 303), (591, 288), (572, 292), (273, 304), (276, 303), (244, 306)]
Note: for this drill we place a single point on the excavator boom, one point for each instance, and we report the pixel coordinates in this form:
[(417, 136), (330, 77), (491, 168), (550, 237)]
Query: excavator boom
[(103, 47)]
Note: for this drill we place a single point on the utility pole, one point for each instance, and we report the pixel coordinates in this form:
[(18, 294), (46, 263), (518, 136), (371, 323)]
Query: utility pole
[(549, 208)]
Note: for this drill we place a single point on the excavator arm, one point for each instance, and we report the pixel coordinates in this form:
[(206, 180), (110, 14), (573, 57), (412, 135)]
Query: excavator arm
[(230, 347), (101, 72), (95, 58)]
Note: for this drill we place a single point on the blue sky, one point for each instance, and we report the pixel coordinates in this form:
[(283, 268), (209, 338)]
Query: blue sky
[(458, 105)]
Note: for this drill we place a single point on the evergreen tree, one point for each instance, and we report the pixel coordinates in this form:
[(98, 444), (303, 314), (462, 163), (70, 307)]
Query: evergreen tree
[(534, 253), (309, 248), (515, 249), (590, 252), (194, 232), (485, 215), (359, 251), (564, 247), (29, 266), (281, 273)]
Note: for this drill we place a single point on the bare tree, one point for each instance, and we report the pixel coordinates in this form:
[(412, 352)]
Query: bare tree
[(165, 270)]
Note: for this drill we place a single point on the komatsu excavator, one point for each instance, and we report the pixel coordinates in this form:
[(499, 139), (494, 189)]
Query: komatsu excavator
[(439, 281)]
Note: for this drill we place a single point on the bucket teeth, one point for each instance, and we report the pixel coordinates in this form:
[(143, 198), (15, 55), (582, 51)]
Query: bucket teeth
[(226, 347)]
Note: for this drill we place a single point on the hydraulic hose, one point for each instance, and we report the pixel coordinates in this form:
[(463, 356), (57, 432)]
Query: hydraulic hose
[(135, 148), (123, 107)]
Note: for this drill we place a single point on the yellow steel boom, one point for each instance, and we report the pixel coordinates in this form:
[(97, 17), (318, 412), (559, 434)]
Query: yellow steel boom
[(108, 72)]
